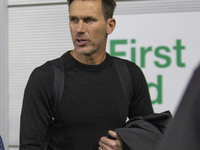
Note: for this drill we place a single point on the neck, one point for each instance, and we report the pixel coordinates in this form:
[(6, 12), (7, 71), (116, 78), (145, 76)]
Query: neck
[(94, 59)]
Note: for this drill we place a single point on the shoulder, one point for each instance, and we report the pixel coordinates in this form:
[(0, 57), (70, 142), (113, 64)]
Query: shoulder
[(43, 74), (43, 69), (133, 67), (136, 73)]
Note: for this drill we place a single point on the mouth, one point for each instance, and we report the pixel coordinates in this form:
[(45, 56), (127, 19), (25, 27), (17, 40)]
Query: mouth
[(81, 42)]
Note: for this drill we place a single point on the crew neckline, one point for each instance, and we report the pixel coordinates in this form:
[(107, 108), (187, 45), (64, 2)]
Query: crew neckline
[(89, 67)]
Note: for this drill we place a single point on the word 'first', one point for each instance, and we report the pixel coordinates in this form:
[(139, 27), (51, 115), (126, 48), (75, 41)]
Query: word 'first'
[(164, 60)]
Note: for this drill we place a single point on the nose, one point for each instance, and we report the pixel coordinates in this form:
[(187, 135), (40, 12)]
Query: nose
[(80, 27)]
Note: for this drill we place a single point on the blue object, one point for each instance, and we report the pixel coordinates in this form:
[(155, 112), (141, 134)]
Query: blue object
[(1, 144)]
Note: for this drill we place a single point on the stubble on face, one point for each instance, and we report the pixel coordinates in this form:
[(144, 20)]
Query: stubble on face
[(88, 29)]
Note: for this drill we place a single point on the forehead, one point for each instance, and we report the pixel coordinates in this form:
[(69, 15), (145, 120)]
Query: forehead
[(85, 7)]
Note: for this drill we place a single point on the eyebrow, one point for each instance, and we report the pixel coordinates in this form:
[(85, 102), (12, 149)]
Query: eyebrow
[(85, 17)]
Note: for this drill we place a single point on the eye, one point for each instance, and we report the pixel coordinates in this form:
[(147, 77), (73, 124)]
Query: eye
[(88, 20), (74, 19)]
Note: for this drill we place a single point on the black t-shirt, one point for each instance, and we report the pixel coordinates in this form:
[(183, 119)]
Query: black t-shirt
[(93, 102)]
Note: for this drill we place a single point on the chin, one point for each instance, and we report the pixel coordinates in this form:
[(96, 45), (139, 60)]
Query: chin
[(85, 51)]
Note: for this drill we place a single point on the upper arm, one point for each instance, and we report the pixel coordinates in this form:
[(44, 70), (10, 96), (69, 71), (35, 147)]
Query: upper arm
[(35, 110), (140, 103)]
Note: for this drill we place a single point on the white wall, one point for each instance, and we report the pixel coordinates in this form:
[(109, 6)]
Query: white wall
[(3, 72), (36, 34)]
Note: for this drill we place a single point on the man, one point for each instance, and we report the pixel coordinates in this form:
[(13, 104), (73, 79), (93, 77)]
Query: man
[(93, 103)]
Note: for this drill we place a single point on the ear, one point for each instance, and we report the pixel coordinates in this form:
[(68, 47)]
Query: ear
[(110, 25)]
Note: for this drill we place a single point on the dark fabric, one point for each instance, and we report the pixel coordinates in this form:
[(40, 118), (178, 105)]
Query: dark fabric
[(125, 77), (59, 78), (92, 103), (144, 132), (1, 144), (184, 130)]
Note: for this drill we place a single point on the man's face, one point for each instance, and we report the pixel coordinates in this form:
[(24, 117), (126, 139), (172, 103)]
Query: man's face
[(88, 27)]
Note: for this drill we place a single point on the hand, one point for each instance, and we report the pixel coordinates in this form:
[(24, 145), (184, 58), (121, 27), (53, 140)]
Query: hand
[(109, 144)]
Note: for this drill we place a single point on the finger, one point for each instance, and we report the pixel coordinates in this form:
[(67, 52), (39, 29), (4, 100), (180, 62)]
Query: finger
[(104, 146), (100, 148), (117, 137), (106, 140), (113, 134), (108, 143)]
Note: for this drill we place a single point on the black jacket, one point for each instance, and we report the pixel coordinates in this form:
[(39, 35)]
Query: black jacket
[(144, 133)]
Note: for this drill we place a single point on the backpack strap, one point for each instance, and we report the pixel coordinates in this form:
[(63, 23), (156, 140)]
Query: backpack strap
[(124, 76), (58, 70)]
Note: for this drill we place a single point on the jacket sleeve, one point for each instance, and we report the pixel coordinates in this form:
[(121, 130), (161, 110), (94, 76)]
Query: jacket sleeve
[(35, 110)]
